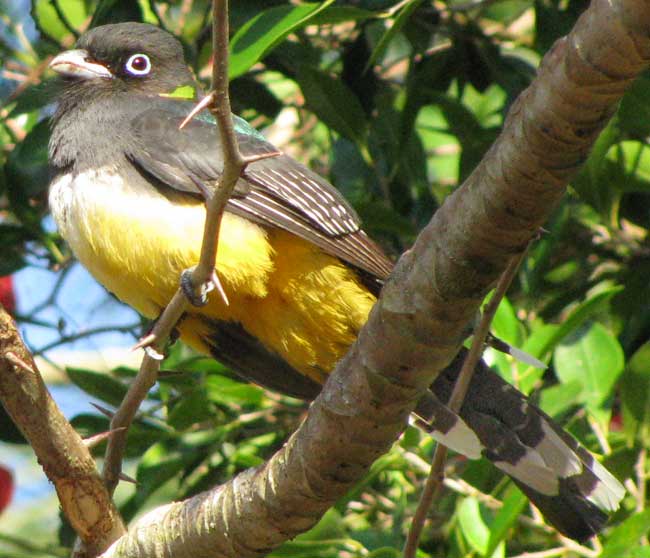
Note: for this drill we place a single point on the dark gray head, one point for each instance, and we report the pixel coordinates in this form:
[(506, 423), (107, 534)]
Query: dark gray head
[(112, 71), (133, 57)]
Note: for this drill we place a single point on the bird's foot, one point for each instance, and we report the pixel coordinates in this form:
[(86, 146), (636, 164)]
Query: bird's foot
[(197, 296)]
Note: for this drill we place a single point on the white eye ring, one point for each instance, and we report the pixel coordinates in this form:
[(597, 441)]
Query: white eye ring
[(138, 65)]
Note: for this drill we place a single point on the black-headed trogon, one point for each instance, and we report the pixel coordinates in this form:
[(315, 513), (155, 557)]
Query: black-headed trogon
[(299, 272)]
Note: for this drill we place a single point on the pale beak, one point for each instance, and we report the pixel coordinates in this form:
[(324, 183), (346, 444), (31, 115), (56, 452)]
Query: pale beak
[(76, 64)]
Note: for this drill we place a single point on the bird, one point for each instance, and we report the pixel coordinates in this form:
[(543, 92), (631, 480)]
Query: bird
[(299, 272)]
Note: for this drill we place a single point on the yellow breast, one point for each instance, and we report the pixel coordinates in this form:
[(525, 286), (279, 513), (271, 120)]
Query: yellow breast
[(303, 304)]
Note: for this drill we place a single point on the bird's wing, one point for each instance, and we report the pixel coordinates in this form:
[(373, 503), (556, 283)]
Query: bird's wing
[(276, 191)]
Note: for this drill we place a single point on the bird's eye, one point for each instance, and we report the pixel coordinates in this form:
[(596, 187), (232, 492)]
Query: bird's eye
[(138, 65)]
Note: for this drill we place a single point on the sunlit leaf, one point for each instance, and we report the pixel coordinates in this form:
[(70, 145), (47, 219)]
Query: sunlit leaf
[(593, 357), (265, 31)]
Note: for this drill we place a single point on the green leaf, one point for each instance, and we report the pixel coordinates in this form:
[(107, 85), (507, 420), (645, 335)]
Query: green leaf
[(12, 243), (513, 505), (505, 324), (633, 157), (341, 14), (331, 526), (625, 537), (385, 463), (402, 17), (226, 391), (472, 525), (26, 168), (334, 103), (585, 311), (192, 408), (592, 356), (186, 92), (634, 112), (635, 390), (385, 552), (593, 181), (115, 11), (264, 32), (56, 17), (103, 387), (159, 465), (558, 399), (142, 434)]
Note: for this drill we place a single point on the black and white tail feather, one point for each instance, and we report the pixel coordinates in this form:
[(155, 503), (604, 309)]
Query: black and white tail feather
[(573, 491)]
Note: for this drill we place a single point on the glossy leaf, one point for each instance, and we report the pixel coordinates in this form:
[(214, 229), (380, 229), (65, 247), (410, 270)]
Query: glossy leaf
[(624, 538), (472, 525), (265, 31), (593, 357), (334, 103), (192, 408), (514, 504), (99, 385), (402, 17), (635, 390)]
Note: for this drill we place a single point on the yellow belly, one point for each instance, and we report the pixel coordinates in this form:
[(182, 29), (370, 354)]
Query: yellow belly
[(304, 305)]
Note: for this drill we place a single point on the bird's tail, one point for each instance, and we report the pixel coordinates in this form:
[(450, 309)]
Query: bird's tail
[(573, 491)]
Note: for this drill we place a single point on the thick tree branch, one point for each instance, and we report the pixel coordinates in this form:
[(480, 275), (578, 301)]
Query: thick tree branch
[(434, 483), (60, 451), (417, 325)]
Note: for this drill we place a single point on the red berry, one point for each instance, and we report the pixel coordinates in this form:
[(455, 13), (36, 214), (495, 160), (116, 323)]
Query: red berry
[(7, 297), (6, 487)]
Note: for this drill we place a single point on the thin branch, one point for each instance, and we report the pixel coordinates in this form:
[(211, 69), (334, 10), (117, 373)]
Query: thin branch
[(64, 339), (434, 484), (204, 272)]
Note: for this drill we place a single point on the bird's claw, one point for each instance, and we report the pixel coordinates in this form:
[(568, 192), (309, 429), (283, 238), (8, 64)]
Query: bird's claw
[(197, 297)]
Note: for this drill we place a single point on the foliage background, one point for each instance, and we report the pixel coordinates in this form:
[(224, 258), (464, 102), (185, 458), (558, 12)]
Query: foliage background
[(395, 102)]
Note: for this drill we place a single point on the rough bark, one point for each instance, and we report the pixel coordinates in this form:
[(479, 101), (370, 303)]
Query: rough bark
[(60, 451)]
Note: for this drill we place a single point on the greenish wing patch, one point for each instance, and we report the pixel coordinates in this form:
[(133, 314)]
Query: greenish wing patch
[(184, 92), (243, 127)]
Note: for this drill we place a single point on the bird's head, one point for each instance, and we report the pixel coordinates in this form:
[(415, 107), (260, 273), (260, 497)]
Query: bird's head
[(128, 57)]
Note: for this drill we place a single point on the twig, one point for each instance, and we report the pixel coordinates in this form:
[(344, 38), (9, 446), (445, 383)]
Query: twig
[(434, 482), (557, 551), (204, 272), (641, 479), (122, 419), (64, 339), (577, 548), (600, 436), (32, 548)]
